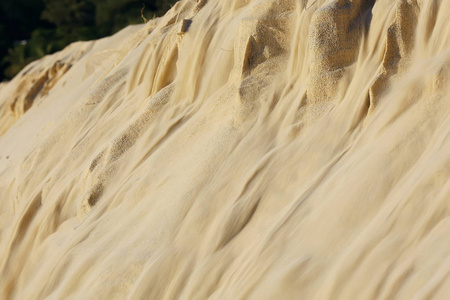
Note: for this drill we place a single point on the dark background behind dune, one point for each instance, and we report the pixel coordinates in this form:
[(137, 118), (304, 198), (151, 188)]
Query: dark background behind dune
[(30, 29)]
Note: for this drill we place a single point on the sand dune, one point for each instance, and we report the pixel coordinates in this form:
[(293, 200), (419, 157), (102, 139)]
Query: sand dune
[(234, 149)]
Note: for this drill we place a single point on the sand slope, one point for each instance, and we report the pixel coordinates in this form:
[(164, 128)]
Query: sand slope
[(234, 149)]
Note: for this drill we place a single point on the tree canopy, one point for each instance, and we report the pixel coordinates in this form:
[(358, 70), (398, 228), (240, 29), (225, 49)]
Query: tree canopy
[(30, 29)]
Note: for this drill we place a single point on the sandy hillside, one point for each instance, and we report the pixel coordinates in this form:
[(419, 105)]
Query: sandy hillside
[(234, 149)]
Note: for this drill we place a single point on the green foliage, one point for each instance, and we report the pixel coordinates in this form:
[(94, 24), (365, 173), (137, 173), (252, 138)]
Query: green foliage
[(30, 29)]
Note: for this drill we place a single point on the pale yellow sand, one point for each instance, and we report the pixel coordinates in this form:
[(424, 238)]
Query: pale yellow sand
[(233, 149)]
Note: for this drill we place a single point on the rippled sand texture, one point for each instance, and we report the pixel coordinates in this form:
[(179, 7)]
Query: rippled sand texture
[(234, 149)]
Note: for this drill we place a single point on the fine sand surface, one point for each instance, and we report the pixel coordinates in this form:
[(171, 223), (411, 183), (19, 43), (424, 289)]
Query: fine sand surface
[(234, 149)]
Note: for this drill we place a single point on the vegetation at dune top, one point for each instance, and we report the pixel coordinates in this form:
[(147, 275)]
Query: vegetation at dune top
[(30, 29)]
